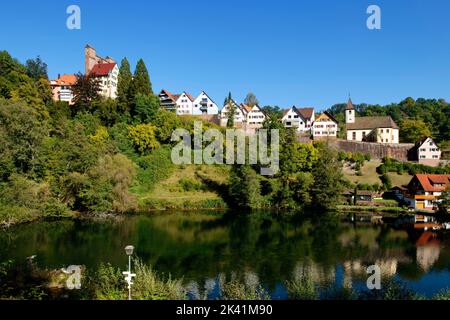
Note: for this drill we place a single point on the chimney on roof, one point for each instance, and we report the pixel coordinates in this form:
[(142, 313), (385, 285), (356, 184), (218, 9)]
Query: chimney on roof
[(59, 75)]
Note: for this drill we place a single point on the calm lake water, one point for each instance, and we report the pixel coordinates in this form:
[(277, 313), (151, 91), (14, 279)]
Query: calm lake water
[(200, 247)]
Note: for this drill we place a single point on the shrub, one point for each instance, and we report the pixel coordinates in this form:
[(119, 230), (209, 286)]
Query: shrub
[(249, 289), (143, 137), (153, 168), (191, 185), (302, 289)]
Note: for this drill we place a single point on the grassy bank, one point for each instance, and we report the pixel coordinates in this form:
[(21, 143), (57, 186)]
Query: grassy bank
[(394, 210), (187, 187), (369, 175)]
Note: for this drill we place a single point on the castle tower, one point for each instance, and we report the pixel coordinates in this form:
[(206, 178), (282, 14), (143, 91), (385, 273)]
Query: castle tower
[(349, 112), (90, 59)]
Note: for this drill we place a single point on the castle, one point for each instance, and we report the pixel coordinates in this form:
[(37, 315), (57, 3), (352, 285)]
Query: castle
[(105, 69)]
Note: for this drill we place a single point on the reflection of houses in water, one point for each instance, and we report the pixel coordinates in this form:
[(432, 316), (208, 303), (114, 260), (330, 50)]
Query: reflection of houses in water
[(428, 250), (196, 293), (358, 269), (317, 273)]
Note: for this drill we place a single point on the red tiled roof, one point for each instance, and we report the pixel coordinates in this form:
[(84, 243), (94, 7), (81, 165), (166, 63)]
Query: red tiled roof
[(427, 181), (306, 113), (66, 79), (102, 69), (190, 96), (170, 95)]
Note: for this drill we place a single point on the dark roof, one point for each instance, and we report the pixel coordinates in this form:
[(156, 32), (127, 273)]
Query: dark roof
[(349, 105), (372, 123), (306, 113), (102, 69), (330, 116)]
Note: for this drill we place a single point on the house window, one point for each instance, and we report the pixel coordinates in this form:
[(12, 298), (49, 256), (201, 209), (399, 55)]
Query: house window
[(364, 134), (354, 136), (387, 130), (435, 156), (381, 131)]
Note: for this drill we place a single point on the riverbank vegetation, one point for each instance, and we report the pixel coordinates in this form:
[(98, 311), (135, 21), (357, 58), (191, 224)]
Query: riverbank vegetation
[(26, 281)]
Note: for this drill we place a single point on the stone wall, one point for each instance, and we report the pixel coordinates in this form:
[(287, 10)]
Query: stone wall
[(401, 152)]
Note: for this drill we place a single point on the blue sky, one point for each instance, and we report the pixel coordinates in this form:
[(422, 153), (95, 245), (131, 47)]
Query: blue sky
[(304, 53)]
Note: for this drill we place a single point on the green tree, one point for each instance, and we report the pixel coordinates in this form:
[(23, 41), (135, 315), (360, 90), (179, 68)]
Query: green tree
[(328, 179), (412, 130), (85, 91), (141, 81), (124, 100), (143, 137), (107, 186), (231, 112), (22, 136), (245, 187), (251, 100), (165, 122), (145, 108), (296, 157), (36, 68), (106, 110)]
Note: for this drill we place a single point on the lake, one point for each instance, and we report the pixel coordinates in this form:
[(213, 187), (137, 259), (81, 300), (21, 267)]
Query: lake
[(201, 247)]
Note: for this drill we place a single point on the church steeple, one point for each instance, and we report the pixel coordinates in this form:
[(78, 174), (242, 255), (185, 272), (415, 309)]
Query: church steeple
[(349, 111)]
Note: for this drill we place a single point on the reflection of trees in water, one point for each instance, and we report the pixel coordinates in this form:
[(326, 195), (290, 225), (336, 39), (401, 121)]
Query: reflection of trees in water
[(198, 246)]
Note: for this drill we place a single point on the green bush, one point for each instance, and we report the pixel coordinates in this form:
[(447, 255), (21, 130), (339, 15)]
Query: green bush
[(153, 168), (191, 185)]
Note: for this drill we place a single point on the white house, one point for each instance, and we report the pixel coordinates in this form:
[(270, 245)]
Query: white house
[(240, 115), (299, 118), (108, 74), (428, 151), (254, 117), (325, 126), (184, 103), (62, 87), (371, 129), (203, 104)]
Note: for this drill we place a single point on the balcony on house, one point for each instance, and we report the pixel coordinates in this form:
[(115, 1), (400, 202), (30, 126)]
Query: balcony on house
[(65, 95)]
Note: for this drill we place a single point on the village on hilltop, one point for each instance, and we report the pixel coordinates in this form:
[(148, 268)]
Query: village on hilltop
[(375, 135)]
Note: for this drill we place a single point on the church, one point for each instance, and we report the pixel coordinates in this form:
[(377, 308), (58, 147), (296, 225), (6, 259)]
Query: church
[(381, 129)]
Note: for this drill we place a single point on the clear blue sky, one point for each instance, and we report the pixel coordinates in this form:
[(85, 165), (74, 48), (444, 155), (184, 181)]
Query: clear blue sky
[(307, 53)]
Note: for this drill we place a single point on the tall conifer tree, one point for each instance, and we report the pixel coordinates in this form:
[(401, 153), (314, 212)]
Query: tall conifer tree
[(141, 81), (123, 86)]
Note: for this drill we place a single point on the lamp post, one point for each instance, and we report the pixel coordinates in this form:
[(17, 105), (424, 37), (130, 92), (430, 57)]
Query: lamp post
[(128, 275)]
